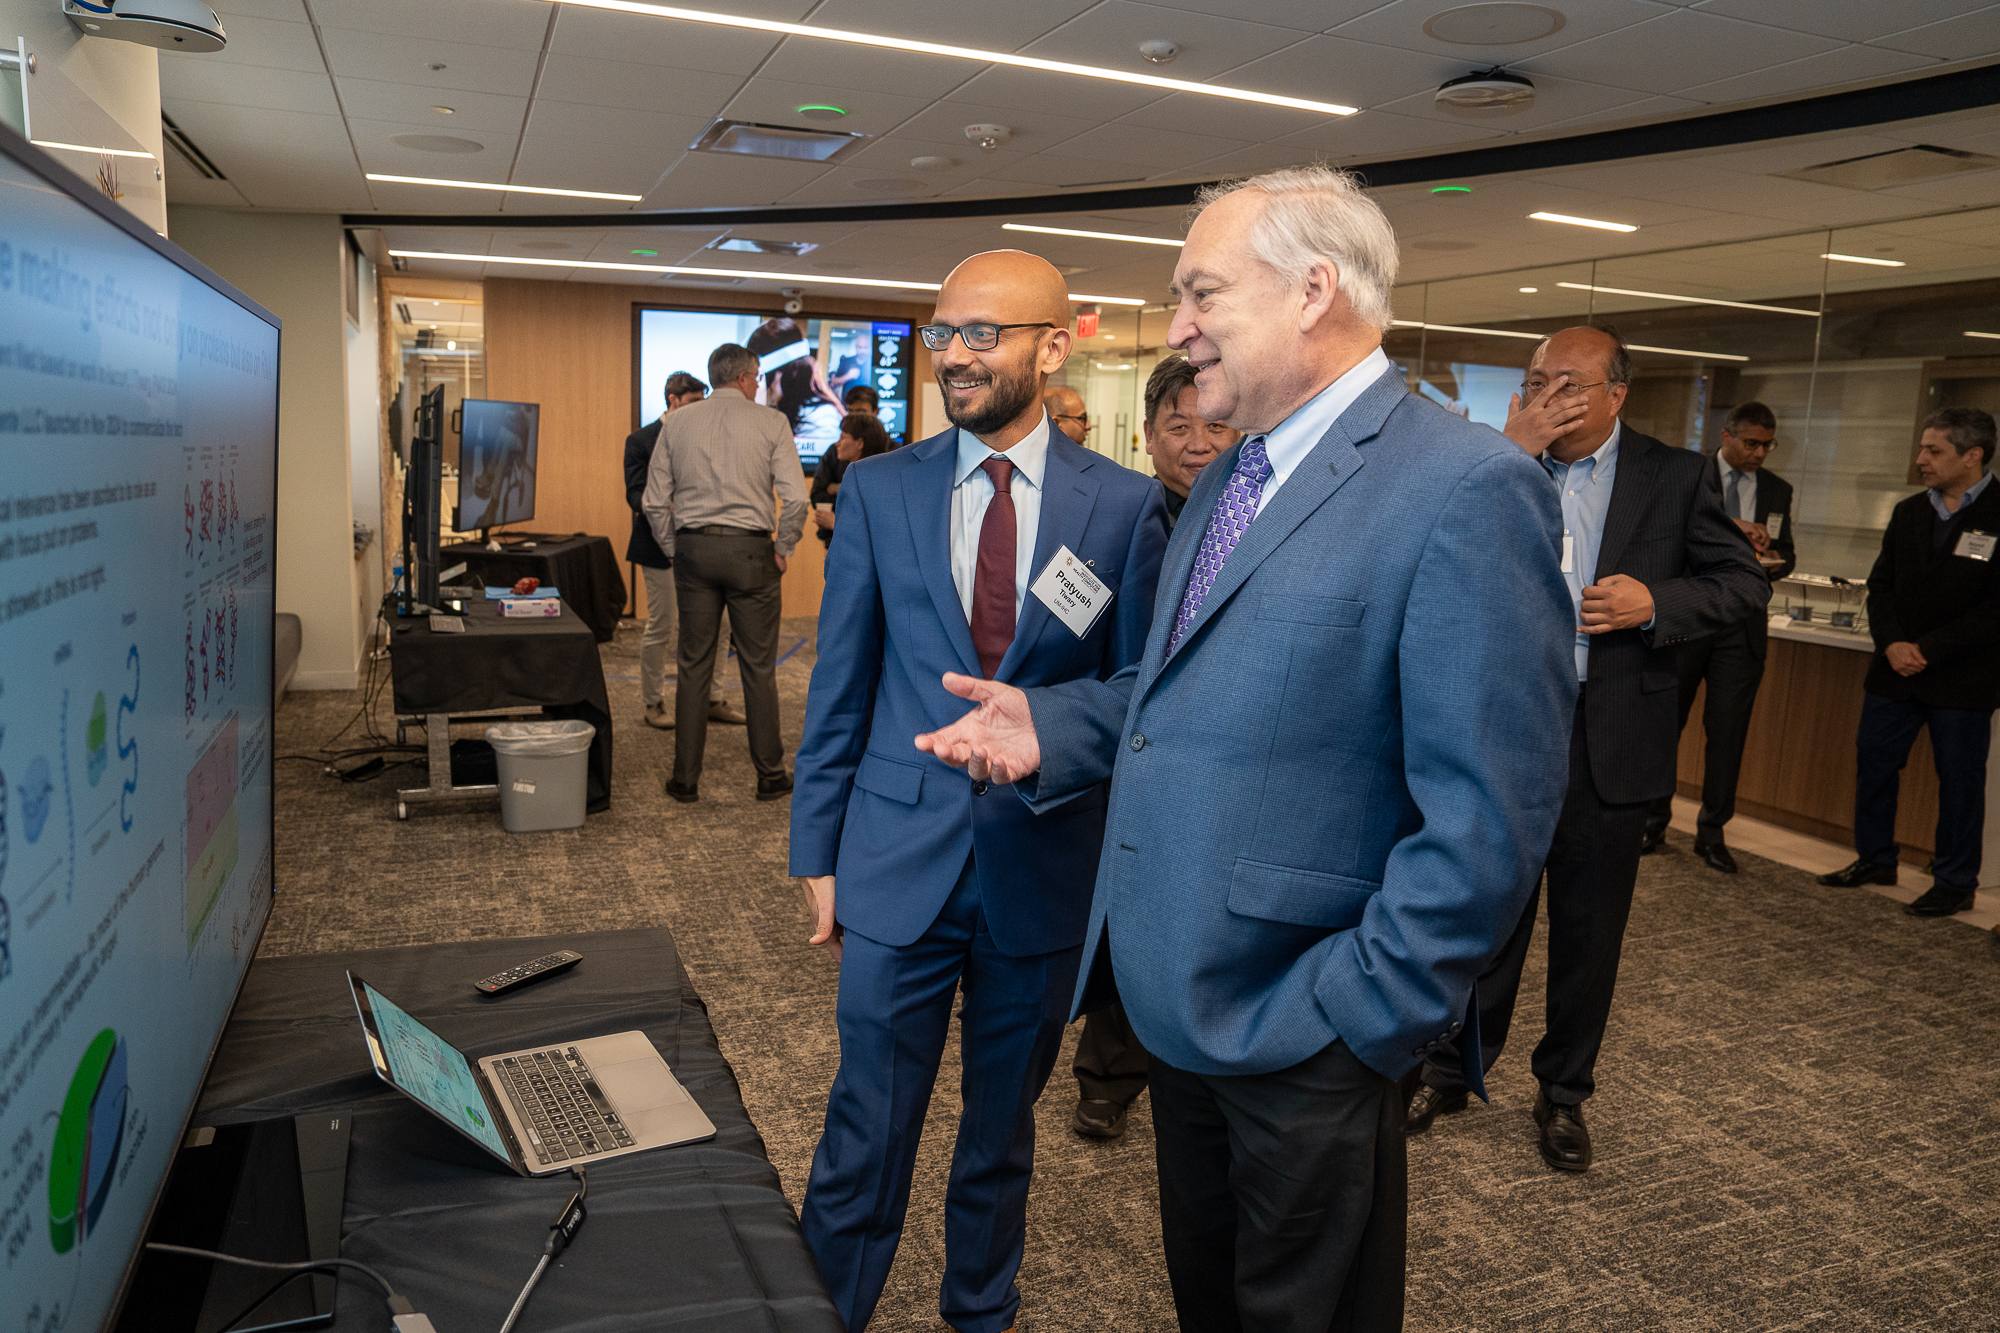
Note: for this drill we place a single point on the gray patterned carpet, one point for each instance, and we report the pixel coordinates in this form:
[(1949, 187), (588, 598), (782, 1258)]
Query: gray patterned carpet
[(1796, 1128)]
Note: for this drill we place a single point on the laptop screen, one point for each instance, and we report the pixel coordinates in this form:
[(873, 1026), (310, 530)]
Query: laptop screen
[(431, 1070)]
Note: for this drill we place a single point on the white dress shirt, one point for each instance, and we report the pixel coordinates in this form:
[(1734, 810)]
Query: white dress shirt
[(1295, 436), (972, 491)]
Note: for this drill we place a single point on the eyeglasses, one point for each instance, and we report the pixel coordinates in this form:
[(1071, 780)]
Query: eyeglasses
[(1759, 446), (1084, 417), (1535, 388), (977, 337)]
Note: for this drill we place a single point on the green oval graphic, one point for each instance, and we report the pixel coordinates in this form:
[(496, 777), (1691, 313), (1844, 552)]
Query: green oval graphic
[(89, 1134)]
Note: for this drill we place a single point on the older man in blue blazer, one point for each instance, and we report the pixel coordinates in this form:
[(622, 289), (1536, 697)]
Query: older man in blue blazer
[(945, 883), (1335, 769)]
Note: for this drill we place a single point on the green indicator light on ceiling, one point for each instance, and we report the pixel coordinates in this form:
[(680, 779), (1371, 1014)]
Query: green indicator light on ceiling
[(1451, 189), (650, 254), (822, 111)]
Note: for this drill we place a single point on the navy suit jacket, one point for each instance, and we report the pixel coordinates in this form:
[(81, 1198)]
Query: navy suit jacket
[(1331, 802), (894, 824)]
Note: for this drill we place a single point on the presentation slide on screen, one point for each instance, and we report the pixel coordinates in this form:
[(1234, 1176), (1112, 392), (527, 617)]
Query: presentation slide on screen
[(137, 421), (806, 373)]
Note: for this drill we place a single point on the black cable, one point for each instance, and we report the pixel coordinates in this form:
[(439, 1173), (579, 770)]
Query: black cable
[(269, 1292), (561, 1232), (305, 1266)]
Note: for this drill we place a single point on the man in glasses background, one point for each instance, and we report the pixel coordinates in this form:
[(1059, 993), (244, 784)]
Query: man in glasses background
[(1759, 502), (946, 884), (1065, 407), (1651, 562)]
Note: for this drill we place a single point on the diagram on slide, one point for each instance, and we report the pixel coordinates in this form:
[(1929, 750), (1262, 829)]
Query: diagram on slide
[(89, 1134)]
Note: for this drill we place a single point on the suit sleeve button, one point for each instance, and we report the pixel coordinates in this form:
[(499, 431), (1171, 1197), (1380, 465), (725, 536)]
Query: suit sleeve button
[(979, 789), (1138, 741)]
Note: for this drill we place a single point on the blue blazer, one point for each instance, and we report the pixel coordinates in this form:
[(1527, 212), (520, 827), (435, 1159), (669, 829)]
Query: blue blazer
[(1331, 802), (893, 823)]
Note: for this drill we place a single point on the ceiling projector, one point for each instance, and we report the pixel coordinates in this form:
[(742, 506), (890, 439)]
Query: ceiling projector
[(171, 25), (1486, 93)]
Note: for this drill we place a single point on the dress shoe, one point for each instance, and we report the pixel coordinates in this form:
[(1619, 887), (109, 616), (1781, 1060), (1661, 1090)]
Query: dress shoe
[(1940, 901), (1655, 839), (771, 789), (1099, 1119), (685, 795), (1565, 1142), (719, 711), (1717, 857), (659, 715), (1861, 872), (1428, 1104)]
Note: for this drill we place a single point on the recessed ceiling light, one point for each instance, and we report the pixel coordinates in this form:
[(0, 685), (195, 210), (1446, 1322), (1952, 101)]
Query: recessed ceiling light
[(1111, 337), (1692, 300), (1487, 93), (1451, 189), (86, 148), (966, 53), (1515, 333), (450, 345), (715, 273), (1863, 259), (786, 141), (1974, 333), (822, 111), (1583, 222), (445, 110), (1502, 24), (505, 189), (1530, 290), (1093, 235)]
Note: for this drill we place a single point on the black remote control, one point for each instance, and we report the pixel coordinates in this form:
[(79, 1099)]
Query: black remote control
[(545, 966)]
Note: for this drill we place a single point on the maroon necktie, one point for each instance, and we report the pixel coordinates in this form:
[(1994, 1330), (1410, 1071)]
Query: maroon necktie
[(993, 581)]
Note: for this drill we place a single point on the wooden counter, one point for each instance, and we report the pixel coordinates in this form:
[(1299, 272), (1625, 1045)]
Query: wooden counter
[(1798, 762)]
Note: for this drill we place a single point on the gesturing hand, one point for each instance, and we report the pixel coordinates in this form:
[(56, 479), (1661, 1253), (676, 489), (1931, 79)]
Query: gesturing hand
[(1619, 602), (1544, 417), (996, 741), (819, 901)]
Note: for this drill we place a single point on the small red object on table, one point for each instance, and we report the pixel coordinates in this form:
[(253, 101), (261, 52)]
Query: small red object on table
[(526, 586)]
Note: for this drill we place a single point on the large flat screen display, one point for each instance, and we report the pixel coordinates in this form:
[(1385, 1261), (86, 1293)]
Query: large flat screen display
[(496, 463), (805, 366), (138, 424)]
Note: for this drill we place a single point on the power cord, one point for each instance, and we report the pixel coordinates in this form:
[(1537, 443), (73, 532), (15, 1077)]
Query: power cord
[(561, 1232), (404, 1315)]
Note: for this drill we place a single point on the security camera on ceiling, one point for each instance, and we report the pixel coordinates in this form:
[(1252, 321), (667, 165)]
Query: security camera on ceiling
[(171, 25)]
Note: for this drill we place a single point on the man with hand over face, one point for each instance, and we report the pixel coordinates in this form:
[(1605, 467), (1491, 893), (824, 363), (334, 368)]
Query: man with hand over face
[(1336, 766), (947, 563)]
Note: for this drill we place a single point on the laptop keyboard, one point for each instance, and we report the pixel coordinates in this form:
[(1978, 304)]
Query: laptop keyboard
[(559, 1101)]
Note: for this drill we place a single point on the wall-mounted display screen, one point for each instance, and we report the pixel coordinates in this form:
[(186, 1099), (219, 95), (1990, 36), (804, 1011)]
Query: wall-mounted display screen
[(805, 366), (496, 463), (138, 421)]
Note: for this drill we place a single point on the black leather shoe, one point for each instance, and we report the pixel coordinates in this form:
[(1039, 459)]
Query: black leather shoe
[(1099, 1119), (1428, 1104), (1717, 857), (685, 795), (1861, 872), (771, 789), (1940, 901), (1565, 1142), (1655, 839)]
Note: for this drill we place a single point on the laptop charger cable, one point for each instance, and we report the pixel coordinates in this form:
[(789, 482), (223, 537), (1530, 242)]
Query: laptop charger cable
[(561, 1232), (403, 1315)]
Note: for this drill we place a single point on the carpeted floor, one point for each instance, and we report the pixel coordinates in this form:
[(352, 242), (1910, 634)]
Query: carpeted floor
[(1796, 1125)]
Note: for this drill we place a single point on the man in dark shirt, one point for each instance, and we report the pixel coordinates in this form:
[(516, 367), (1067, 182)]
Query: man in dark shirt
[(1934, 609), (1180, 442)]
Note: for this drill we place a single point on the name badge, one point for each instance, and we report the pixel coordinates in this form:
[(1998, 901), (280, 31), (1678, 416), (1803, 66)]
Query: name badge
[(1569, 551), (1072, 593), (1976, 545), (1776, 524)]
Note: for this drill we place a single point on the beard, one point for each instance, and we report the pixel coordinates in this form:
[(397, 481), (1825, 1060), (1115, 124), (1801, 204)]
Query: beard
[(1011, 393)]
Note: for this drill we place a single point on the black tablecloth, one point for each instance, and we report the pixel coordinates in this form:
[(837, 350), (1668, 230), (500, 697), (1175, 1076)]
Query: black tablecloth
[(694, 1237), (498, 663), (584, 569)]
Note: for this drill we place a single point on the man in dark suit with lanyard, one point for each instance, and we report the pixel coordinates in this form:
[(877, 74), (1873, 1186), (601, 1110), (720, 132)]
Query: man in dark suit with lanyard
[(1758, 501), (1934, 609), (1652, 562)]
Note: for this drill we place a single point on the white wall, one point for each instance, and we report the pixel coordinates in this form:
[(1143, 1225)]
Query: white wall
[(364, 439), (291, 263)]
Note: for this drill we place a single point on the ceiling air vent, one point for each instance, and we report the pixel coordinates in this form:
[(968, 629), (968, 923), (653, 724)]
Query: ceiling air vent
[(185, 146), (1902, 166), (746, 137)]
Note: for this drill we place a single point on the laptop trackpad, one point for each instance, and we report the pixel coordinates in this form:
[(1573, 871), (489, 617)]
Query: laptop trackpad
[(639, 1085)]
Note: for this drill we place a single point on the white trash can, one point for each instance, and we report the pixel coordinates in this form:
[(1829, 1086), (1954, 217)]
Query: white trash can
[(544, 773)]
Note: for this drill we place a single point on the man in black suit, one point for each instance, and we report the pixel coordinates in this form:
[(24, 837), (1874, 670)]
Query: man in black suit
[(1758, 501), (657, 568), (1652, 562), (1934, 609)]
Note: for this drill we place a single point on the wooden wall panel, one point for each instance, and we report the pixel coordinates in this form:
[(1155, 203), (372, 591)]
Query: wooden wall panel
[(568, 346)]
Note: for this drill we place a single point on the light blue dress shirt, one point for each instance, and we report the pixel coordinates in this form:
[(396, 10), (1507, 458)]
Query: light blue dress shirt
[(1971, 494), (1586, 499), (972, 491), (1740, 485), (1287, 446)]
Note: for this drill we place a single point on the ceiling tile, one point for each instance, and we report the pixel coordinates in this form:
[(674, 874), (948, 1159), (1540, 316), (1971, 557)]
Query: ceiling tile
[(720, 180), (942, 124), (820, 68), (283, 11), (567, 163), (1401, 24), (1118, 144), (974, 23), (645, 135), (520, 26), (234, 138), (1249, 161), (1302, 15), (1807, 204), (1109, 35), (1646, 110), (187, 186), (1383, 134), (627, 85), (1557, 101), (772, 101), (257, 41), (1059, 171), (1849, 64), (1677, 50), (1792, 154), (318, 191), (1064, 94), (430, 199), (488, 113), (842, 185), (185, 80), (1849, 20), (372, 141), (646, 40), (1974, 189), (1954, 39), (1339, 69), (484, 69), (1248, 122)]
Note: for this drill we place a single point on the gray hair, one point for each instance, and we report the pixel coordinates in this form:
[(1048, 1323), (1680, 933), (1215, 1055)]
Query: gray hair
[(1316, 214), (730, 363), (1967, 428)]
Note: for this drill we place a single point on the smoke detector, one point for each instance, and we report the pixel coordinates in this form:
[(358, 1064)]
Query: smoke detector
[(988, 137), (1489, 92), (1159, 51)]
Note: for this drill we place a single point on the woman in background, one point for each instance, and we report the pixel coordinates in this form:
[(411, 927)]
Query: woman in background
[(861, 436), (794, 384)]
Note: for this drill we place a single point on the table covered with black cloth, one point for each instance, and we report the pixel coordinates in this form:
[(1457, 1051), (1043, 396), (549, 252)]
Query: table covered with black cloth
[(583, 568), (502, 663), (696, 1237)]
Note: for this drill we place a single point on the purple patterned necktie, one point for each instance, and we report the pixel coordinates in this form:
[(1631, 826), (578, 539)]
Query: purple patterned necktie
[(1226, 526)]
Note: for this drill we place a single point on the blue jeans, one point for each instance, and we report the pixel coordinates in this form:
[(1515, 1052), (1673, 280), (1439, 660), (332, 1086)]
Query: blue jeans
[(1959, 741)]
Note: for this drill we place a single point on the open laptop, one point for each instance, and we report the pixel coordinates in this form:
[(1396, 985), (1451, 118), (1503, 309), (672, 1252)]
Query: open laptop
[(541, 1110)]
